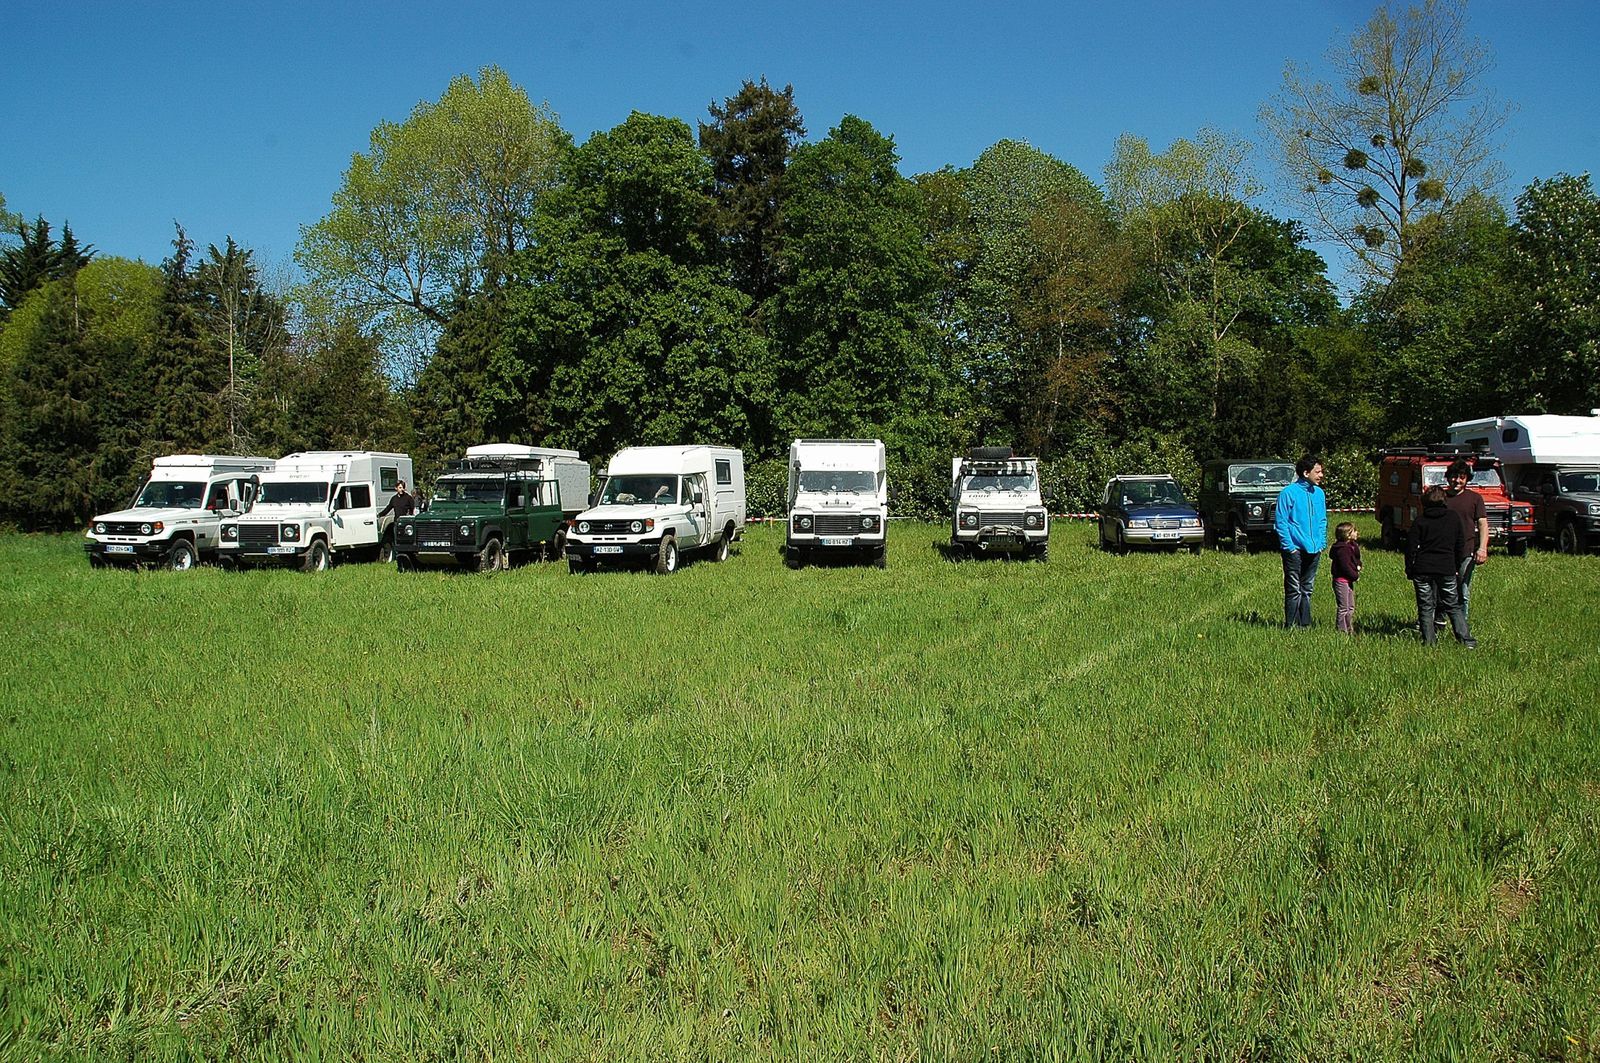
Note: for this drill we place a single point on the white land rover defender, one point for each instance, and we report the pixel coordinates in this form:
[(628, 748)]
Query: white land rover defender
[(318, 506), (177, 514), (838, 500), (997, 505), (658, 502)]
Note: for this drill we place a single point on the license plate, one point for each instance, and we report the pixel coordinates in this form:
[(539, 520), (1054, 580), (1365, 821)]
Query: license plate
[(1165, 535), (608, 549), (446, 545), (115, 548), (834, 540), (280, 549)]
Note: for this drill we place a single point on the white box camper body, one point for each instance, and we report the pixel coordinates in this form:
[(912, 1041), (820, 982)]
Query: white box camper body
[(319, 506), (1534, 439), (658, 502), (177, 514), (838, 499)]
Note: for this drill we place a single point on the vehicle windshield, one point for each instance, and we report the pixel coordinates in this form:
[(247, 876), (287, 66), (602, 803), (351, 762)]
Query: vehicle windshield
[(991, 483), (1260, 475), (629, 490), (1586, 482), (1433, 475), (1150, 492), (838, 481), (291, 492), (453, 490), (170, 494)]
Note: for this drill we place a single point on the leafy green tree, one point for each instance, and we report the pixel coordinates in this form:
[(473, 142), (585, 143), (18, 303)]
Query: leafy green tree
[(36, 259), (434, 210), (749, 142), (1409, 127), (1554, 343), (347, 402), (185, 377), (856, 354)]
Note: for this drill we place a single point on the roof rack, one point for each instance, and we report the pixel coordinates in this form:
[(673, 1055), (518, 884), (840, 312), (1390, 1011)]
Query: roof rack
[(496, 464), (998, 466), (1439, 452)]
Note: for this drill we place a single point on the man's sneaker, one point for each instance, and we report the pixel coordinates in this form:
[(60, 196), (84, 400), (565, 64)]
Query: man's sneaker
[(1469, 644)]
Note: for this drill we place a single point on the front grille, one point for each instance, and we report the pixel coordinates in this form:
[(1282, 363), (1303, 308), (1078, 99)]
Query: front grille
[(612, 527), (122, 527), (1014, 519), (1166, 525), (837, 523), (258, 534), (434, 531)]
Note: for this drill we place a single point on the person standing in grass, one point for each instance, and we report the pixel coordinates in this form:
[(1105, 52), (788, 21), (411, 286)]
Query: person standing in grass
[(1433, 554), (1302, 524), (1467, 504), (403, 504), (1346, 558)]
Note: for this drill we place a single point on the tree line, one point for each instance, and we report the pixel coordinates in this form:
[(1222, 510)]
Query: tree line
[(482, 276)]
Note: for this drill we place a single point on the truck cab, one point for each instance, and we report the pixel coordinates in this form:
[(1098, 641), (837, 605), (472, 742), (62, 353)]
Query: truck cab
[(996, 505), (658, 503), (176, 516), (838, 501), (1404, 473), (318, 507), (498, 505), (1566, 505)]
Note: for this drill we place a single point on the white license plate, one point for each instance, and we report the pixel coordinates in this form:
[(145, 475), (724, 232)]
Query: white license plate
[(834, 540), (1165, 535), (280, 549), (608, 549), (117, 548), (446, 545)]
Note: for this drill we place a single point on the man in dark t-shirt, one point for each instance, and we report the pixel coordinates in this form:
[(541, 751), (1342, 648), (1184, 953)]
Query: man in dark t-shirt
[(1468, 505)]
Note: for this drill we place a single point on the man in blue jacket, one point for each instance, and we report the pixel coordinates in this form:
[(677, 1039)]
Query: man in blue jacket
[(1302, 519)]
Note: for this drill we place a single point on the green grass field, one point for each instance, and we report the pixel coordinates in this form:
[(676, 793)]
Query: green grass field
[(1097, 808)]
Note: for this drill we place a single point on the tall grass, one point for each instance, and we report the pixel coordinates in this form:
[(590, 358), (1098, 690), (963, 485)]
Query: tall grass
[(1100, 807)]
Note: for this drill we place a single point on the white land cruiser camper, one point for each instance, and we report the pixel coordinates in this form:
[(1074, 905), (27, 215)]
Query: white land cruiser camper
[(176, 516), (317, 506), (997, 505), (658, 502), (838, 500)]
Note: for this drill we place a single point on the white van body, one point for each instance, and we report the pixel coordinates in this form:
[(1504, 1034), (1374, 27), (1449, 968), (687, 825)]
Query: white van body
[(319, 506), (838, 500), (177, 514), (997, 506), (1533, 439), (658, 502), (571, 473)]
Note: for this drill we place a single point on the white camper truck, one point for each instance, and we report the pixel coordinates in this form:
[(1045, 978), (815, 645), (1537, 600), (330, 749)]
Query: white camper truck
[(318, 506), (657, 503), (1553, 464), (996, 505), (838, 500), (176, 517)]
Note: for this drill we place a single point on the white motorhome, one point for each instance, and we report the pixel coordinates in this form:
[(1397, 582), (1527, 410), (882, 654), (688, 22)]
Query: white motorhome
[(1552, 463), (176, 516), (838, 500), (657, 503), (317, 506), (996, 505)]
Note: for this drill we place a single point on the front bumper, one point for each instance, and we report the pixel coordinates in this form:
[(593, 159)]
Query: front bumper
[(279, 554), (1000, 539), (867, 545), (437, 555), (630, 552), (147, 552), (1163, 536)]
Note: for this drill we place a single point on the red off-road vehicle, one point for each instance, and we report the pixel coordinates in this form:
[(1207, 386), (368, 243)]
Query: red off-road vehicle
[(1405, 472)]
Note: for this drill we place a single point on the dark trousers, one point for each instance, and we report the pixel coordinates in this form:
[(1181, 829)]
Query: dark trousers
[(1299, 576), (1440, 594)]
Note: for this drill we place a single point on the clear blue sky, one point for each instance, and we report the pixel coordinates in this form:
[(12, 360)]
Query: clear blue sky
[(240, 118)]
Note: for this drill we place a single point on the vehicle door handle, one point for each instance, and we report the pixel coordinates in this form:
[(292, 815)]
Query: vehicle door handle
[(369, 522)]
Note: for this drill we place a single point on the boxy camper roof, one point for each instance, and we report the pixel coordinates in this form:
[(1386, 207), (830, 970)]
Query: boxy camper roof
[(1535, 439), (208, 464)]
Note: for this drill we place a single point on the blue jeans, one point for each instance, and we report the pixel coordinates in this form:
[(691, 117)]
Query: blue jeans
[(1299, 576), (1440, 594), (1464, 581)]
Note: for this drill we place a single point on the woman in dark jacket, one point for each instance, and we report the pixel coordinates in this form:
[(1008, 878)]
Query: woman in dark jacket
[(1432, 555)]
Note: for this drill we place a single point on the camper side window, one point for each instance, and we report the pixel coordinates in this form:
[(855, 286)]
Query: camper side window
[(356, 496), (388, 478), (724, 471)]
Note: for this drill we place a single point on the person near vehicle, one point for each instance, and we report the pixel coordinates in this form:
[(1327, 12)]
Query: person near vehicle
[(1468, 505), (1302, 524), (1433, 553), (1346, 557), (402, 504)]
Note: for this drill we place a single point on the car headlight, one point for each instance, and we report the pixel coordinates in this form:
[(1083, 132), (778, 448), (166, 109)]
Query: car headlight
[(1035, 520), (406, 531), (969, 520), (803, 523), (869, 522), (636, 527), (1256, 511), (100, 525), (230, 531), (464, 531), (1594, 509), (291, 532), (583, 527), (1191, 522), (1138, 522)]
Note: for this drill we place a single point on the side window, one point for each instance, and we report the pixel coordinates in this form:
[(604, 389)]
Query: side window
[(1510, 435), (388, 478), (218, 499), (1394, 478), (724, 471), (356, 496), (516, 494)]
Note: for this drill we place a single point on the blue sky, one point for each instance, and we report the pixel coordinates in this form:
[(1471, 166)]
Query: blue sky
[(239, 118)]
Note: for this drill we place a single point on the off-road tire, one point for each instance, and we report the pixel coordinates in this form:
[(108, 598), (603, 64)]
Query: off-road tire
[(719, 550), (558, 546), (1208, 535), (1388, 534), (577, 566), (1240, 540), (385, 551), (881, 558), (1041, 554), (793, 558), (667, 557), (990, 454), (317, 558), (1519, 547), (182, 557), (488, 559), (405, 563), (1570, 538), (1195, 548)]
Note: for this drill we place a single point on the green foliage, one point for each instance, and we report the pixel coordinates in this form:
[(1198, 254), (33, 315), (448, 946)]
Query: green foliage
[(766, 487), (36, 259), (185, 376), (1555, 265)]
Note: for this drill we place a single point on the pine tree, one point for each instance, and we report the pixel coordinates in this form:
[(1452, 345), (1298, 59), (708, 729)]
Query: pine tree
[(185, 375)]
